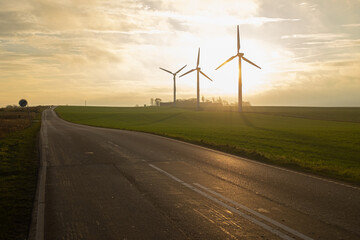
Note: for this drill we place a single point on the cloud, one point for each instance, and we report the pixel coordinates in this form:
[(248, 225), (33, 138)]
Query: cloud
[(208, 19), (299, 95), (74, 49), (354, 25), (316, 36), (13, 21), (328, 83), (320, 89)]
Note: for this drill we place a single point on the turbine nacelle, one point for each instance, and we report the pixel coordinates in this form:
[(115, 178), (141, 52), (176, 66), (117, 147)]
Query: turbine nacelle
[(173, 73), (198, 69), (174, 78), (239, 54)]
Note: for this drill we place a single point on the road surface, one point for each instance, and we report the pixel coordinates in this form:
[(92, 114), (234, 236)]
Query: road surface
[(111, 184)]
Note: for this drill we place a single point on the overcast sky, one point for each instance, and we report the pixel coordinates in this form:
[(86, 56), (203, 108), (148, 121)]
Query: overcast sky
[(108, 52)]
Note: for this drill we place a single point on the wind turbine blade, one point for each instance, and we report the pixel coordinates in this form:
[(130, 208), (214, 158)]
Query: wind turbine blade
[(205, 75), (226, 62), (198, 60), (238, 39), (251, 62), (165, 70), (187, 72), (180, 69)]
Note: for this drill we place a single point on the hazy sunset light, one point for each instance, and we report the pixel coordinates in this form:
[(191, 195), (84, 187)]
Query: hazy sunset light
[(109, 52)]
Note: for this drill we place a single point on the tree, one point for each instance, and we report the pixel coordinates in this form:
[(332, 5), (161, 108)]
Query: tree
[(158, 101)]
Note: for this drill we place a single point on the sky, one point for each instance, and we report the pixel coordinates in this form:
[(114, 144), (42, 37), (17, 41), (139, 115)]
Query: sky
[(108, 52)]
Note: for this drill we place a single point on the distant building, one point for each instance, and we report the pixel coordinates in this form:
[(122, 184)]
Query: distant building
[(167, 104)]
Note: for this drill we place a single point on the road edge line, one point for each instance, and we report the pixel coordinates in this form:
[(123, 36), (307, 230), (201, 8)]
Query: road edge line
[(40, 216), (241, 214), (255, 213)]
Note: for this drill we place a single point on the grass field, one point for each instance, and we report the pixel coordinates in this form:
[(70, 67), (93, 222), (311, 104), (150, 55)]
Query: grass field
[(341, 114), (325, 147), (16, 119), (18, 171)]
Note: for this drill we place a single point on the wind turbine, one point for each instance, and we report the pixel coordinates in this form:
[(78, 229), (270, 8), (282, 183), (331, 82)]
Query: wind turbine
[(174, 77), (198, 69), (241, 56)]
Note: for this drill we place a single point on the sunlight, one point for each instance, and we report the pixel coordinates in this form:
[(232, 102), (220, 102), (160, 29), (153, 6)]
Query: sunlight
[(226, 78)]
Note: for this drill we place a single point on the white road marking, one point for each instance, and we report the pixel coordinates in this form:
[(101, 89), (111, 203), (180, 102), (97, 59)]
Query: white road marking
[(251, 219), (40, 221), (114, 144), (259, 215)]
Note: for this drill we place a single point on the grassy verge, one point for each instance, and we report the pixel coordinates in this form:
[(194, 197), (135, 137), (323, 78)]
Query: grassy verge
[(18, 176), (327, 148)]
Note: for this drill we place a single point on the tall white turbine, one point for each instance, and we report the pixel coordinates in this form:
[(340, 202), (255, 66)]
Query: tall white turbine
[(241, 56), (174, 77), (198, 69)]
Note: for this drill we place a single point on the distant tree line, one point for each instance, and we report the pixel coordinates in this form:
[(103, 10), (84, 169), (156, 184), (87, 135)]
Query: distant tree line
[(191, 102)]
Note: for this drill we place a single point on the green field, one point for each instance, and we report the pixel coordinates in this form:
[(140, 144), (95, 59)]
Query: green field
[(18, 171), (290, 137), (19, 162), (341, 114)]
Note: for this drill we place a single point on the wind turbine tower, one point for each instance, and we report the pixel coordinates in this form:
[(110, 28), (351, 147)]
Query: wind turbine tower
[(198, 71), (174, 78), (240, 56)]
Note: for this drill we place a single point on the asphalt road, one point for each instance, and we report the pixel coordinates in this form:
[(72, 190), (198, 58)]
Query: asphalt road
[(111, 184)]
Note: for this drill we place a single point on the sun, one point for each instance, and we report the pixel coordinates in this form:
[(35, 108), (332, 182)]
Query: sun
[(217, 48), (227, 77)]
